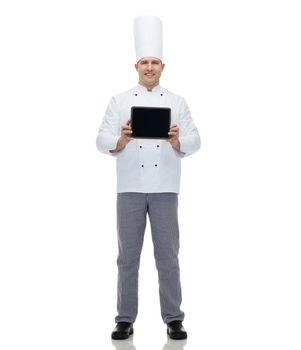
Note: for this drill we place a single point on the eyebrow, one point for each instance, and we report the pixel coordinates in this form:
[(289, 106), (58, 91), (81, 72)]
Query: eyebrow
[(152, 61)]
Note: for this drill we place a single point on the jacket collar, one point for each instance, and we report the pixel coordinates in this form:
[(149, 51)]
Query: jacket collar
[(157, 88)]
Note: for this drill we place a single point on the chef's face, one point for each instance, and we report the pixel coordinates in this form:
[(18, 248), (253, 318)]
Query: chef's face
[(149, 70)]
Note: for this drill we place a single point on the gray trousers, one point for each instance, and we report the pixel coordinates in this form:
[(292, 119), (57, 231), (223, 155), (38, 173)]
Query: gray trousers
[(162, 210)]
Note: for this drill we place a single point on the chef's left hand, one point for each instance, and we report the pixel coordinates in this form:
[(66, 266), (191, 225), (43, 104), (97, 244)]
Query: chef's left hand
[(174, 137)]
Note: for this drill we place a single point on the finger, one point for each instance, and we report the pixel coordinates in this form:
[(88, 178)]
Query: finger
[(128, 133), (173, 125), (128, 122)]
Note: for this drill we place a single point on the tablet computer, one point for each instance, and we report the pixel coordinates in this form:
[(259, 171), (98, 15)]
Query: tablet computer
[(150, 122)]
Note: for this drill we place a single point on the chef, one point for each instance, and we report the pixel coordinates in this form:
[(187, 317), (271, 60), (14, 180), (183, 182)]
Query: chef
[(148, 182)]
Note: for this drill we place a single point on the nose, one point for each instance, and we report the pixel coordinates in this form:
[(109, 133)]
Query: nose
[(149, 67)]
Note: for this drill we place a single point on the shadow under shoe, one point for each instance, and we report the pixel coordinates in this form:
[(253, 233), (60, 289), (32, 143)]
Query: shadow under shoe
[(126, 344), (172, 344)]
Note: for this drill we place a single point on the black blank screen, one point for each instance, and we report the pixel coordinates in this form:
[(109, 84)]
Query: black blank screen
[(150, 122)]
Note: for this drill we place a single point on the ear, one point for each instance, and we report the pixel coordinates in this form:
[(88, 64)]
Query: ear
[(163, 66), (136, 66)]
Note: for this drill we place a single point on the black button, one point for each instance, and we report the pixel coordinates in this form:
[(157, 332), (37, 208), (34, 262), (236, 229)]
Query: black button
[(135, 94), (140, 146), (161, 94), (155, 164), (142, 165), (158, 146)]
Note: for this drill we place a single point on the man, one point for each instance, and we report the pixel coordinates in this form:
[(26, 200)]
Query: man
[(148, 182)]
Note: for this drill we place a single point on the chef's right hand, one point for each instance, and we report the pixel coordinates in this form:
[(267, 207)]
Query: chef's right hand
[(125, 138)]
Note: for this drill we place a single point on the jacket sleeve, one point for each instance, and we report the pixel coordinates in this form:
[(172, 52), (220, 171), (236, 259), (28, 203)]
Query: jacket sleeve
[(189, 136), (109, 130)]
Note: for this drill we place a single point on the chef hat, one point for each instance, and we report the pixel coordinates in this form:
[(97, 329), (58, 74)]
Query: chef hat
[(148, 37)]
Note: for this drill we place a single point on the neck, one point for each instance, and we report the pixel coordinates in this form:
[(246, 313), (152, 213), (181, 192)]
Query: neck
[(148, 87)]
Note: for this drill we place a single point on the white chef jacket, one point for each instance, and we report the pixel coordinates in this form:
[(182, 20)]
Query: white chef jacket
[(147, 165)]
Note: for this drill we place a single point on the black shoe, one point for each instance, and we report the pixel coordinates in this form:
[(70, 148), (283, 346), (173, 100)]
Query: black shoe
[(175, 330), (122, 330)]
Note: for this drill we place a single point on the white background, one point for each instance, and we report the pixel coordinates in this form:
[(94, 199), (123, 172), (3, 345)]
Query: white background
[(237, 63)]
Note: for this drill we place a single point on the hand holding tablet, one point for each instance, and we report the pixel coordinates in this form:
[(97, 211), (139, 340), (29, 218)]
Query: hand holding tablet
[(174, 137)]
